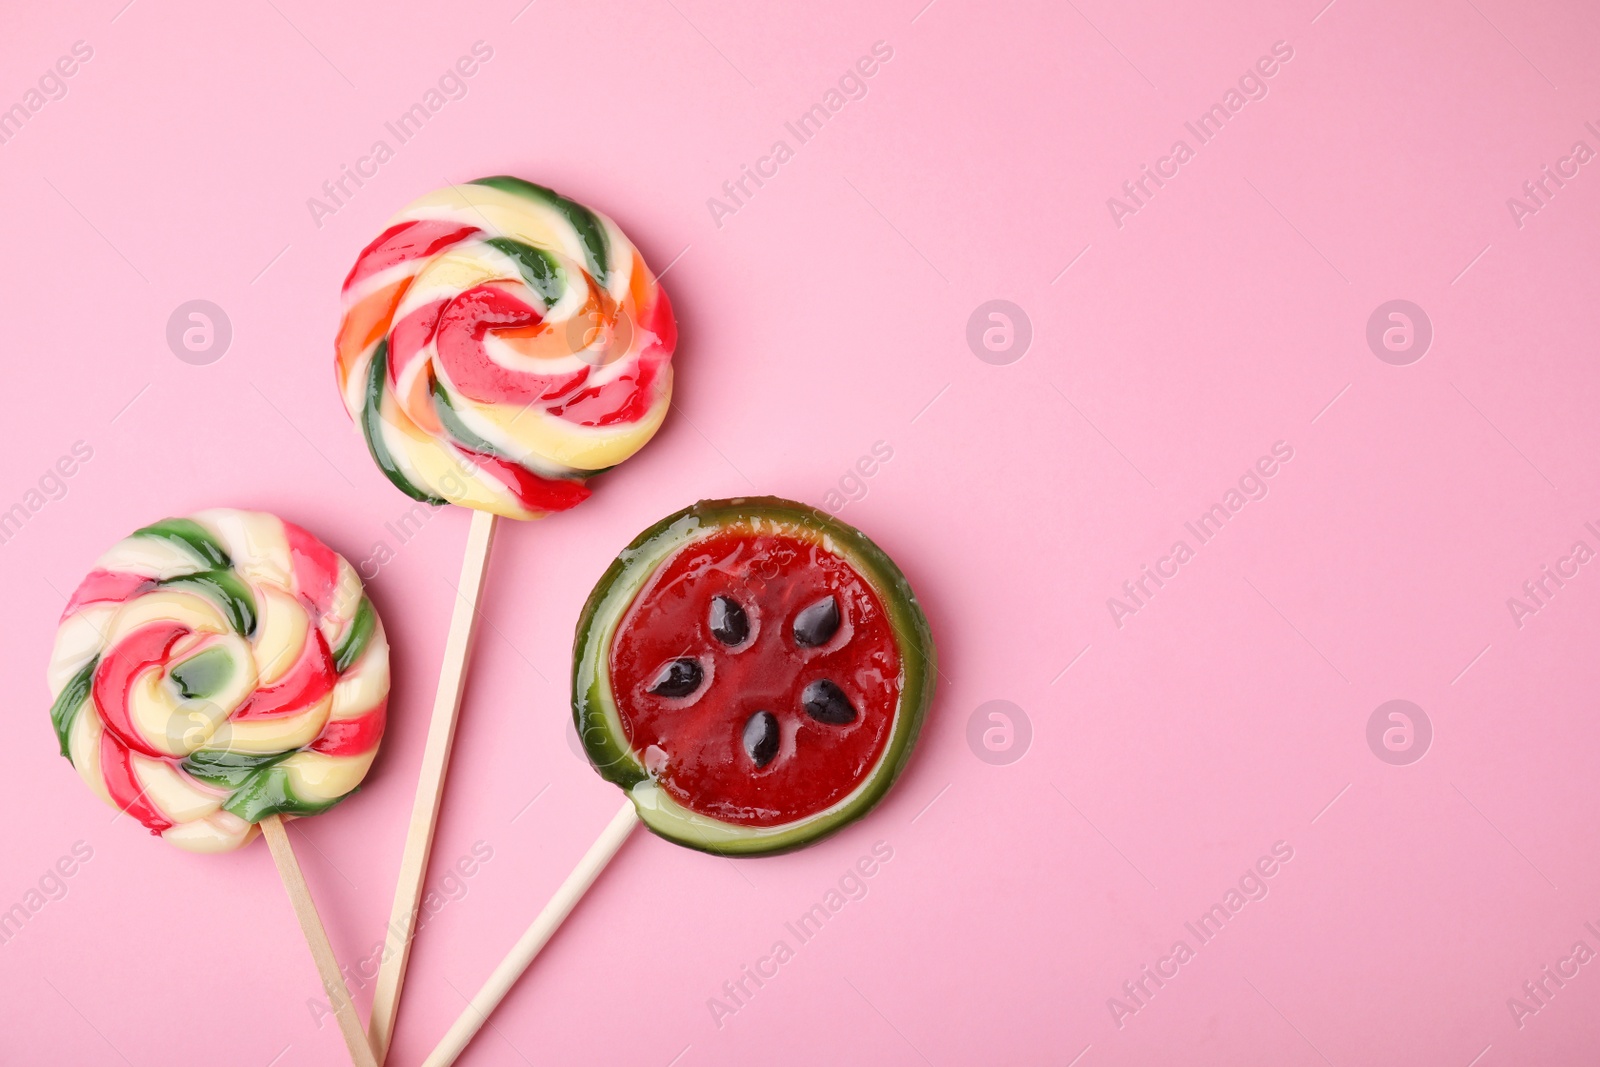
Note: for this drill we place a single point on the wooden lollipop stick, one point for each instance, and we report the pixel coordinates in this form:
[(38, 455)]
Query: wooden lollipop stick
[(317, 940), (549, 920), (430, 785)]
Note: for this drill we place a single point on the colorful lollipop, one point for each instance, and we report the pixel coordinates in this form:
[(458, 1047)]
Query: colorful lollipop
[(215, 674), (753, 674), (500, 345)]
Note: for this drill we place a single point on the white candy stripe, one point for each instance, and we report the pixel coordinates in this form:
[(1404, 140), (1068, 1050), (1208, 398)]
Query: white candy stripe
[(168, 723), (84, 747), (221, 831), (448, 275), (180, 798), (318, 778), (156, 557), (255, 541), (355, 386), (262, 737), (365, 684), (347, 594), (194, 610), (80, 639), (504, 214), (281, 628), (382, 280), (440, 466)]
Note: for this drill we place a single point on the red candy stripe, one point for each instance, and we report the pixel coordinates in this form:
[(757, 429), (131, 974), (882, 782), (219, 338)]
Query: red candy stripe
[(532, 491), (351, 737), (316, 569), (116, 768), (410, 336), (121, 666), (311, 679), (628, 398), (405, 241), (101, 585), (462, 327)]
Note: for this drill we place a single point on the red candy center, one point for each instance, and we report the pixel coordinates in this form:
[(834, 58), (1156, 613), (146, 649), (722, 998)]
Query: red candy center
[(708, 739)]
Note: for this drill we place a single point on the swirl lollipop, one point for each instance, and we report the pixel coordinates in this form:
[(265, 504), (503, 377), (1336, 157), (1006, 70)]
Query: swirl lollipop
[(753, 674), (213, 675), (500, 345)]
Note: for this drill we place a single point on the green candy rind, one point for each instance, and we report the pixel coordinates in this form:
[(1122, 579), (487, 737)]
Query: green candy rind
[(201, 675), (191, 536), (372, 429), (589, 229), (537, 267), (356, 638), (600, 727), (64, 712), (267, 792), (228, 590), (228, 770)]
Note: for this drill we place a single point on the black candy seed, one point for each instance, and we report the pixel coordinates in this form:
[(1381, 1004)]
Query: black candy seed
[(729, 623), (761, 737), (827, 703), (677, 679), (817, 624)]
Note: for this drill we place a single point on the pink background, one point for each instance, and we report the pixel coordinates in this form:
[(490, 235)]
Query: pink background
[(829, 313)]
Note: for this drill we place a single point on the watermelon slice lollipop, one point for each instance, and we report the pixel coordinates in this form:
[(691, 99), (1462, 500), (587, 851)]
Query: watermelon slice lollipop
[(753, 674)]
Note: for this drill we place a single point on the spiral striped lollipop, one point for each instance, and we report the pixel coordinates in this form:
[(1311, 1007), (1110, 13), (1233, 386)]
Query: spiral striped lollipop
[(500, 344), (214, 670)]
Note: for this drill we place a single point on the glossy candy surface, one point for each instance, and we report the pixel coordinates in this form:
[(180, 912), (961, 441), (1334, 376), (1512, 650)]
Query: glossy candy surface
[(754, 673), (500, 344), (213, 670)]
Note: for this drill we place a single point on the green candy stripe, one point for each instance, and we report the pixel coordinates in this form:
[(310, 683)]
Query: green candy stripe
[(191, 536), (228, 590), (446, 410), (267, 791), (202, 675), (372, 429), (538, 267), (228, 770), (64, 712), (589, 228), (357, 637)]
